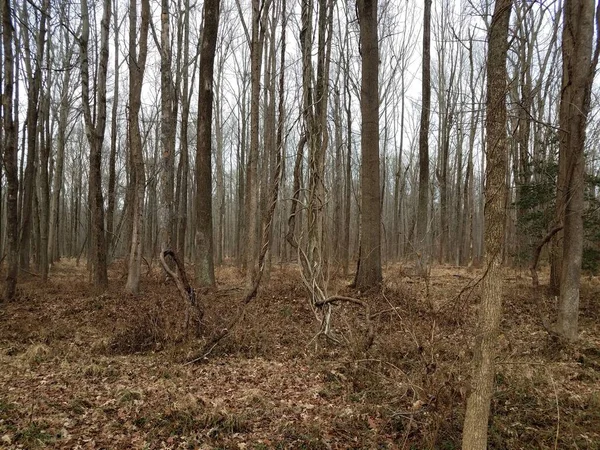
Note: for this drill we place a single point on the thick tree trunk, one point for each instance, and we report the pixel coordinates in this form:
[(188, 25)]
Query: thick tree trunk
[(482, 383), (205, 271), (369, 272), (578, 76)]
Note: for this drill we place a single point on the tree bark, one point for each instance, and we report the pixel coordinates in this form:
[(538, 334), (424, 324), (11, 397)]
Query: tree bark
[(369, 272), (10, 153), (260, 9), (579, 68), (32, 120), (94, 131), (169, 107), (482, 383), (137, 65), (422, 207), (205, 271)]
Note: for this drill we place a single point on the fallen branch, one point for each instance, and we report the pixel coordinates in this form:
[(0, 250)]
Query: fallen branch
[(183, 285), (340, 298), (536, 255)]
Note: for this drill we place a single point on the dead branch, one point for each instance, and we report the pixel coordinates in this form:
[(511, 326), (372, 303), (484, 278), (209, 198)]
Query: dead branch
[(340, 298), (538, 251), (181, 281)]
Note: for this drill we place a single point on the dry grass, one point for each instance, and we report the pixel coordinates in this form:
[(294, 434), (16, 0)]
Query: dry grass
[(85, 370)]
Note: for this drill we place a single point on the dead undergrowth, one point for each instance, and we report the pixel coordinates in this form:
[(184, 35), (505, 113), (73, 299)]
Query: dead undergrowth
[(83, 370)]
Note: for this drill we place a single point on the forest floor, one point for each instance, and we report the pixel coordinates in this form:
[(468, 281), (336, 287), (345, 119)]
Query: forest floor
[(81, 370)]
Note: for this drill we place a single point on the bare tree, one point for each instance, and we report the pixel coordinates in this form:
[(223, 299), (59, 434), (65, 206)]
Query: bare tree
[(137, 66), (34, 75), (479, 400), (95, 124), (10, 151), (112, 179), (260, 10), (205, 271)]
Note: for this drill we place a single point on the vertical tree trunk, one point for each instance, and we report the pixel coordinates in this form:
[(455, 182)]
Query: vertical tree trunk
[(259, 11), (33, 109), (423, 204), (169, 107), (183, 168), (578, 75), (110, 209), (61, 142), (137, 65), (10, 152), (482, 383), (205, 271), (44, 182), (369, 267), (94, 131)]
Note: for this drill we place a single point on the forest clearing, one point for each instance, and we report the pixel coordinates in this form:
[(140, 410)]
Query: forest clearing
[(81, 370)]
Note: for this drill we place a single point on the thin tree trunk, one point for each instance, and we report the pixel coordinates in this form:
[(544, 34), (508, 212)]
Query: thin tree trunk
[(423, 204), (137, 65), (10, 152), (110, 209), (479, 400)]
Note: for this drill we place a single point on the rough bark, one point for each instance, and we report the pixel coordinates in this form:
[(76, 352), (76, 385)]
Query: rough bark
[(369, 272), (578, 75), (205, 271), (482, 382), (422, 208), (94, 130), (169, 107)]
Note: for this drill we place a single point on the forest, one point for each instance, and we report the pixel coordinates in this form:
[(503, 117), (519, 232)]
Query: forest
[(314, 224)]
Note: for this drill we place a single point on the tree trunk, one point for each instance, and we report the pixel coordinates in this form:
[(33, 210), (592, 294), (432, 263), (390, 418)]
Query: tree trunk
[(32, 121), (423, 204), (61, 142), (110, 209), (169, 107), (578, 76), (259, 11), (95, 135), (10, 153), (205, 271), (137, 65), (482, 383), (369, 273)]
